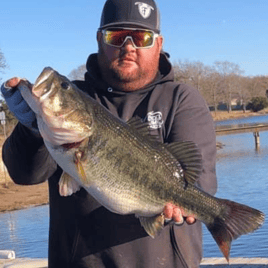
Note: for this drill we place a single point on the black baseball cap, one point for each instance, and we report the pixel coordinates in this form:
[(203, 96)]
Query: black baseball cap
[(131, 13)]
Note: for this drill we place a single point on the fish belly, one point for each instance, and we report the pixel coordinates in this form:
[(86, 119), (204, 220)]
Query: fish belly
[(124, 201)]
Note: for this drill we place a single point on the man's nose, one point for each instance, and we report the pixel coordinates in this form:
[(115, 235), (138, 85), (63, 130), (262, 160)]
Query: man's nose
[(128, 45)]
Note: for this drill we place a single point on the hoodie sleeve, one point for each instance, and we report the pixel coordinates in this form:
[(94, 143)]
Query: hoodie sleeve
[(192, 122), (26, 158)]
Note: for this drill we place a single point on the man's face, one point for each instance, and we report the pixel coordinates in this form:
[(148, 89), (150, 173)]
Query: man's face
[(128, 68)]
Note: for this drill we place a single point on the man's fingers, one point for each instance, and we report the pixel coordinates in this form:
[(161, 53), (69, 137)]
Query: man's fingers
[(13, 82), (168, 211), (172, 212), (190, 220), (177, 216)]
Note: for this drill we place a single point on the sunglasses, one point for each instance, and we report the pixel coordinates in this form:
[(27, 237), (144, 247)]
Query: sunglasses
[(140, 38)]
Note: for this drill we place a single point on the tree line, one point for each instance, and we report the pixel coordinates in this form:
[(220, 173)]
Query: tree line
[(222, 83)]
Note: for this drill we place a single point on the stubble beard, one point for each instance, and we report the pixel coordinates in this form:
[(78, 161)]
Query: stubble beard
[(120, 74), (117, 76)]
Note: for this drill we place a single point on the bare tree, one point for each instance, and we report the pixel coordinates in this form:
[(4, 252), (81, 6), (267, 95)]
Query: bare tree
[(181, 71), (256, 86), (212, 90), (192, 73), (78, 73), (228, 71), (3, 64)]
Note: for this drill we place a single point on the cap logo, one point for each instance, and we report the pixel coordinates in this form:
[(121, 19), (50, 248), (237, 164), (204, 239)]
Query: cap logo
[(144, 9)]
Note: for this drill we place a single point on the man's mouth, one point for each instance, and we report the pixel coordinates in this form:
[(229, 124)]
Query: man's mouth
[(127, 59)]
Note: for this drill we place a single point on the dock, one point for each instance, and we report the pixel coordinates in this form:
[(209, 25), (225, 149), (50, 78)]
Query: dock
[(243, 128), (206, 263), (235, 263)]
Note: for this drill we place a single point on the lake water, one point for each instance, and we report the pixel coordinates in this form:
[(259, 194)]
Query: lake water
[(25, 231), (242, 174)]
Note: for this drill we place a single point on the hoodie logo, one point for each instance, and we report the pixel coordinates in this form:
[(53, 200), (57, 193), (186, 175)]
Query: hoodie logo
[(155, 120), (144, 9)]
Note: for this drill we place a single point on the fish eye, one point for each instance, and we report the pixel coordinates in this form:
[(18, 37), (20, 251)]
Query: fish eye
[(65, 85)]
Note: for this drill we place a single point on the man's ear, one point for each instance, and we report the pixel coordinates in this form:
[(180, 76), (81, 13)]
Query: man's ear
[(160, 41), (99, 35)]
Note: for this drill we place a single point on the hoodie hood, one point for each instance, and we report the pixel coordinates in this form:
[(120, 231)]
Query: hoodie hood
[(93, 75)]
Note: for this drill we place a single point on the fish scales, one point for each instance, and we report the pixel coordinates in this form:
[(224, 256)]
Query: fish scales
[(119, 150), (127, 175), (123, 168)]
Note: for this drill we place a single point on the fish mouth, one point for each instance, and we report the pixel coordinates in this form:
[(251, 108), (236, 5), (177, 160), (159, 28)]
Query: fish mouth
[(72, 145), (44, 76), (41, 86)]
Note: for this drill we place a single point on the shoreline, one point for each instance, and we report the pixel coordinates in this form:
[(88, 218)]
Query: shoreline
[(224, 115), (16, 197)]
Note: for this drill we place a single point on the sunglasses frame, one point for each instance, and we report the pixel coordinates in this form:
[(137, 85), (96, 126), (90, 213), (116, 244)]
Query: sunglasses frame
[(155, 35)]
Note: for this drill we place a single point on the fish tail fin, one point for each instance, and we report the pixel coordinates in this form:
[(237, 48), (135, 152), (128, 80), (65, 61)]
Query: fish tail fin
[(237, 220)]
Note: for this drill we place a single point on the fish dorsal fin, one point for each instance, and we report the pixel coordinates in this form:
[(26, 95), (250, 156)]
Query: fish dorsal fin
[(142, 127), (137, 123), (190, 158)]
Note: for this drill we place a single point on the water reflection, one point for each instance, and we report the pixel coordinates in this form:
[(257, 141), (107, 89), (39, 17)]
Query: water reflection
[(25, 232), (11, 227)]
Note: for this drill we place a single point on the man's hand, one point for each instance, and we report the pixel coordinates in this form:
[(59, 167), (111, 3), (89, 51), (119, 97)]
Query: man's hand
[(13, 82), (172, 212), (17, 105)]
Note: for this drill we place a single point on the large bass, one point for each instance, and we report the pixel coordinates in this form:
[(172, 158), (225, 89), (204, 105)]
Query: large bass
[(125, 169)]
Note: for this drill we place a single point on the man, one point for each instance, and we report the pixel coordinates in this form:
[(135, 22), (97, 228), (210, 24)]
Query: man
[(131, 76)]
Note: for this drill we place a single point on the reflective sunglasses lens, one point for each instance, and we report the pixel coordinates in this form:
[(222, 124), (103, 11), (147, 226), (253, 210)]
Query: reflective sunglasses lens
[(143, 38), (114, 38), (140, 38)]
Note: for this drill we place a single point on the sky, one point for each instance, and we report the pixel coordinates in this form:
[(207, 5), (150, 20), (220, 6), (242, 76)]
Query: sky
[(62, 34)]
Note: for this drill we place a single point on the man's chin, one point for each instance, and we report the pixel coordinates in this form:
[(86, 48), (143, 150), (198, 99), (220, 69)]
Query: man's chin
[(126, 74)]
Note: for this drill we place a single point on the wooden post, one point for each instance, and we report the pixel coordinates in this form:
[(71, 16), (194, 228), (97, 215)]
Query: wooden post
[(257, 140)]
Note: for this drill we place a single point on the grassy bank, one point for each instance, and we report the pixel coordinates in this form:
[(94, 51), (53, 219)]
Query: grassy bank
[(224, 115)]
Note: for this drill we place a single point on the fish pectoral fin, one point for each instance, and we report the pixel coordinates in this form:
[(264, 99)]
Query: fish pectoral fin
[(152, 225), (80, 168), (67, 185)]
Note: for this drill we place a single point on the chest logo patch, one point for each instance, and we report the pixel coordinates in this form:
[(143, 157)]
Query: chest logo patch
[(155, 120)]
